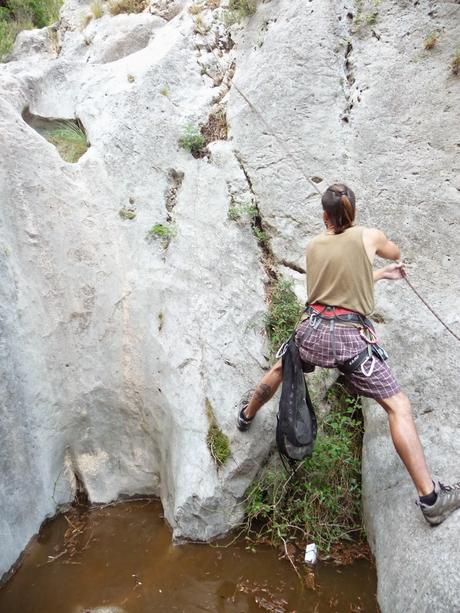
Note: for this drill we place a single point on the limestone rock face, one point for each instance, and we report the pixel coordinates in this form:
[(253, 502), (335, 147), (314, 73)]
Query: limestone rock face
[(114, 340)]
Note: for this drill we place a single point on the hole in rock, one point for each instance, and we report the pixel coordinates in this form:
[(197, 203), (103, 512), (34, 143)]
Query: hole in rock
[(67, 135)]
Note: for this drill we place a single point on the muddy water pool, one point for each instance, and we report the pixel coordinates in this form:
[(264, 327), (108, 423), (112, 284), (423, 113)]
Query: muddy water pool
[(120, 559)]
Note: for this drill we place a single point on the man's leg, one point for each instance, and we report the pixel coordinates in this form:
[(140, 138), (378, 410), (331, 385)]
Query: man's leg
[(265, 389), (406, 440)]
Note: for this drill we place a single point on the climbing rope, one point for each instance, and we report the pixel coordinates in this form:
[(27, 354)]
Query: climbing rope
[(430, 308), (313, 184)]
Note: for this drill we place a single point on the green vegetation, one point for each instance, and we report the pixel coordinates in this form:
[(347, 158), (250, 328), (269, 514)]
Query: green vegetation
[(69, 139), (237, 210), (17, 15), (238, 10), (283, 314), (192, 140), (218, 442), (126, 6), (431, 40), (455, 64), (97, 9), (367, 12), (261, 235), (164, 91), (164, 232), (321, 501)]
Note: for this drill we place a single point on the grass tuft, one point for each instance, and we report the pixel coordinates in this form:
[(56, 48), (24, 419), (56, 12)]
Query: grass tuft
[(283, 314), (69, 139), (321, 502), (455, 64), (97, 9), (431, 40), (218, 442)]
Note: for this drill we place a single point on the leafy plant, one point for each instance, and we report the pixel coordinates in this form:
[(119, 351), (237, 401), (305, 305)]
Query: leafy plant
[(283, 314), (163, 232), (261, 235), (192, 140), (164, 91), (218, 442), (69, 139), (126, 6), (237, 210), (321, 501), (431, 40)]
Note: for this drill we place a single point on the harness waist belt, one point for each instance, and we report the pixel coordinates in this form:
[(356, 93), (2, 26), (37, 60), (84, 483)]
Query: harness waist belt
[(330, 311), (337, 314)]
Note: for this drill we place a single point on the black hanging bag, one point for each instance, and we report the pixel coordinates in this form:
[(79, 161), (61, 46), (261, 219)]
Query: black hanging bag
[(296, 419)]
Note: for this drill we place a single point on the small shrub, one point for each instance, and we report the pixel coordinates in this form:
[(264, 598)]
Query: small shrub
[(321, 502), (162, 232), (69, 139), (218, 442), (192, 140), (164, 91), (455, 64), (131, 78), (126, 6), (431, 40), (283, 314), (97, 9)]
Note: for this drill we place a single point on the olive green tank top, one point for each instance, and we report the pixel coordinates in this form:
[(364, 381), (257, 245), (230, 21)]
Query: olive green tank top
[(339, 272)]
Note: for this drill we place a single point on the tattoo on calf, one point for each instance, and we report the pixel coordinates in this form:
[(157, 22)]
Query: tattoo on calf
[(263, 392)]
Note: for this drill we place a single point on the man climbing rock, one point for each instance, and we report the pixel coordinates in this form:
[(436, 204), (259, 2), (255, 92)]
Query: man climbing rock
[(340, 288)]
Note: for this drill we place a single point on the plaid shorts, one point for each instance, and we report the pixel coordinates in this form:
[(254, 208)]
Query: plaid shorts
[(315, 348)]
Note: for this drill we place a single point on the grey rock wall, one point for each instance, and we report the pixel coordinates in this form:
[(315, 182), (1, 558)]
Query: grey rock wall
[(112, 344)]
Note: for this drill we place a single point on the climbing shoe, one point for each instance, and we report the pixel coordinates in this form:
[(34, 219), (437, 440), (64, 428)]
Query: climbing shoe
[(242, 422), (448, 499)]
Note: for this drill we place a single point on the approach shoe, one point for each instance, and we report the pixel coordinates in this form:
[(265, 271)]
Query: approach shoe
[(448, 499), (242, 422)]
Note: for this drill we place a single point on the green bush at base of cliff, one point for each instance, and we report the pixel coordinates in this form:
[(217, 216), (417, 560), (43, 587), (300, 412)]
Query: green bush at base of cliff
[(17, 15), (321, 501)]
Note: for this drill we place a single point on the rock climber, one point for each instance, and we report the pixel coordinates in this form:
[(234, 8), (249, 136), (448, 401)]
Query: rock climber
[(340, 289)]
